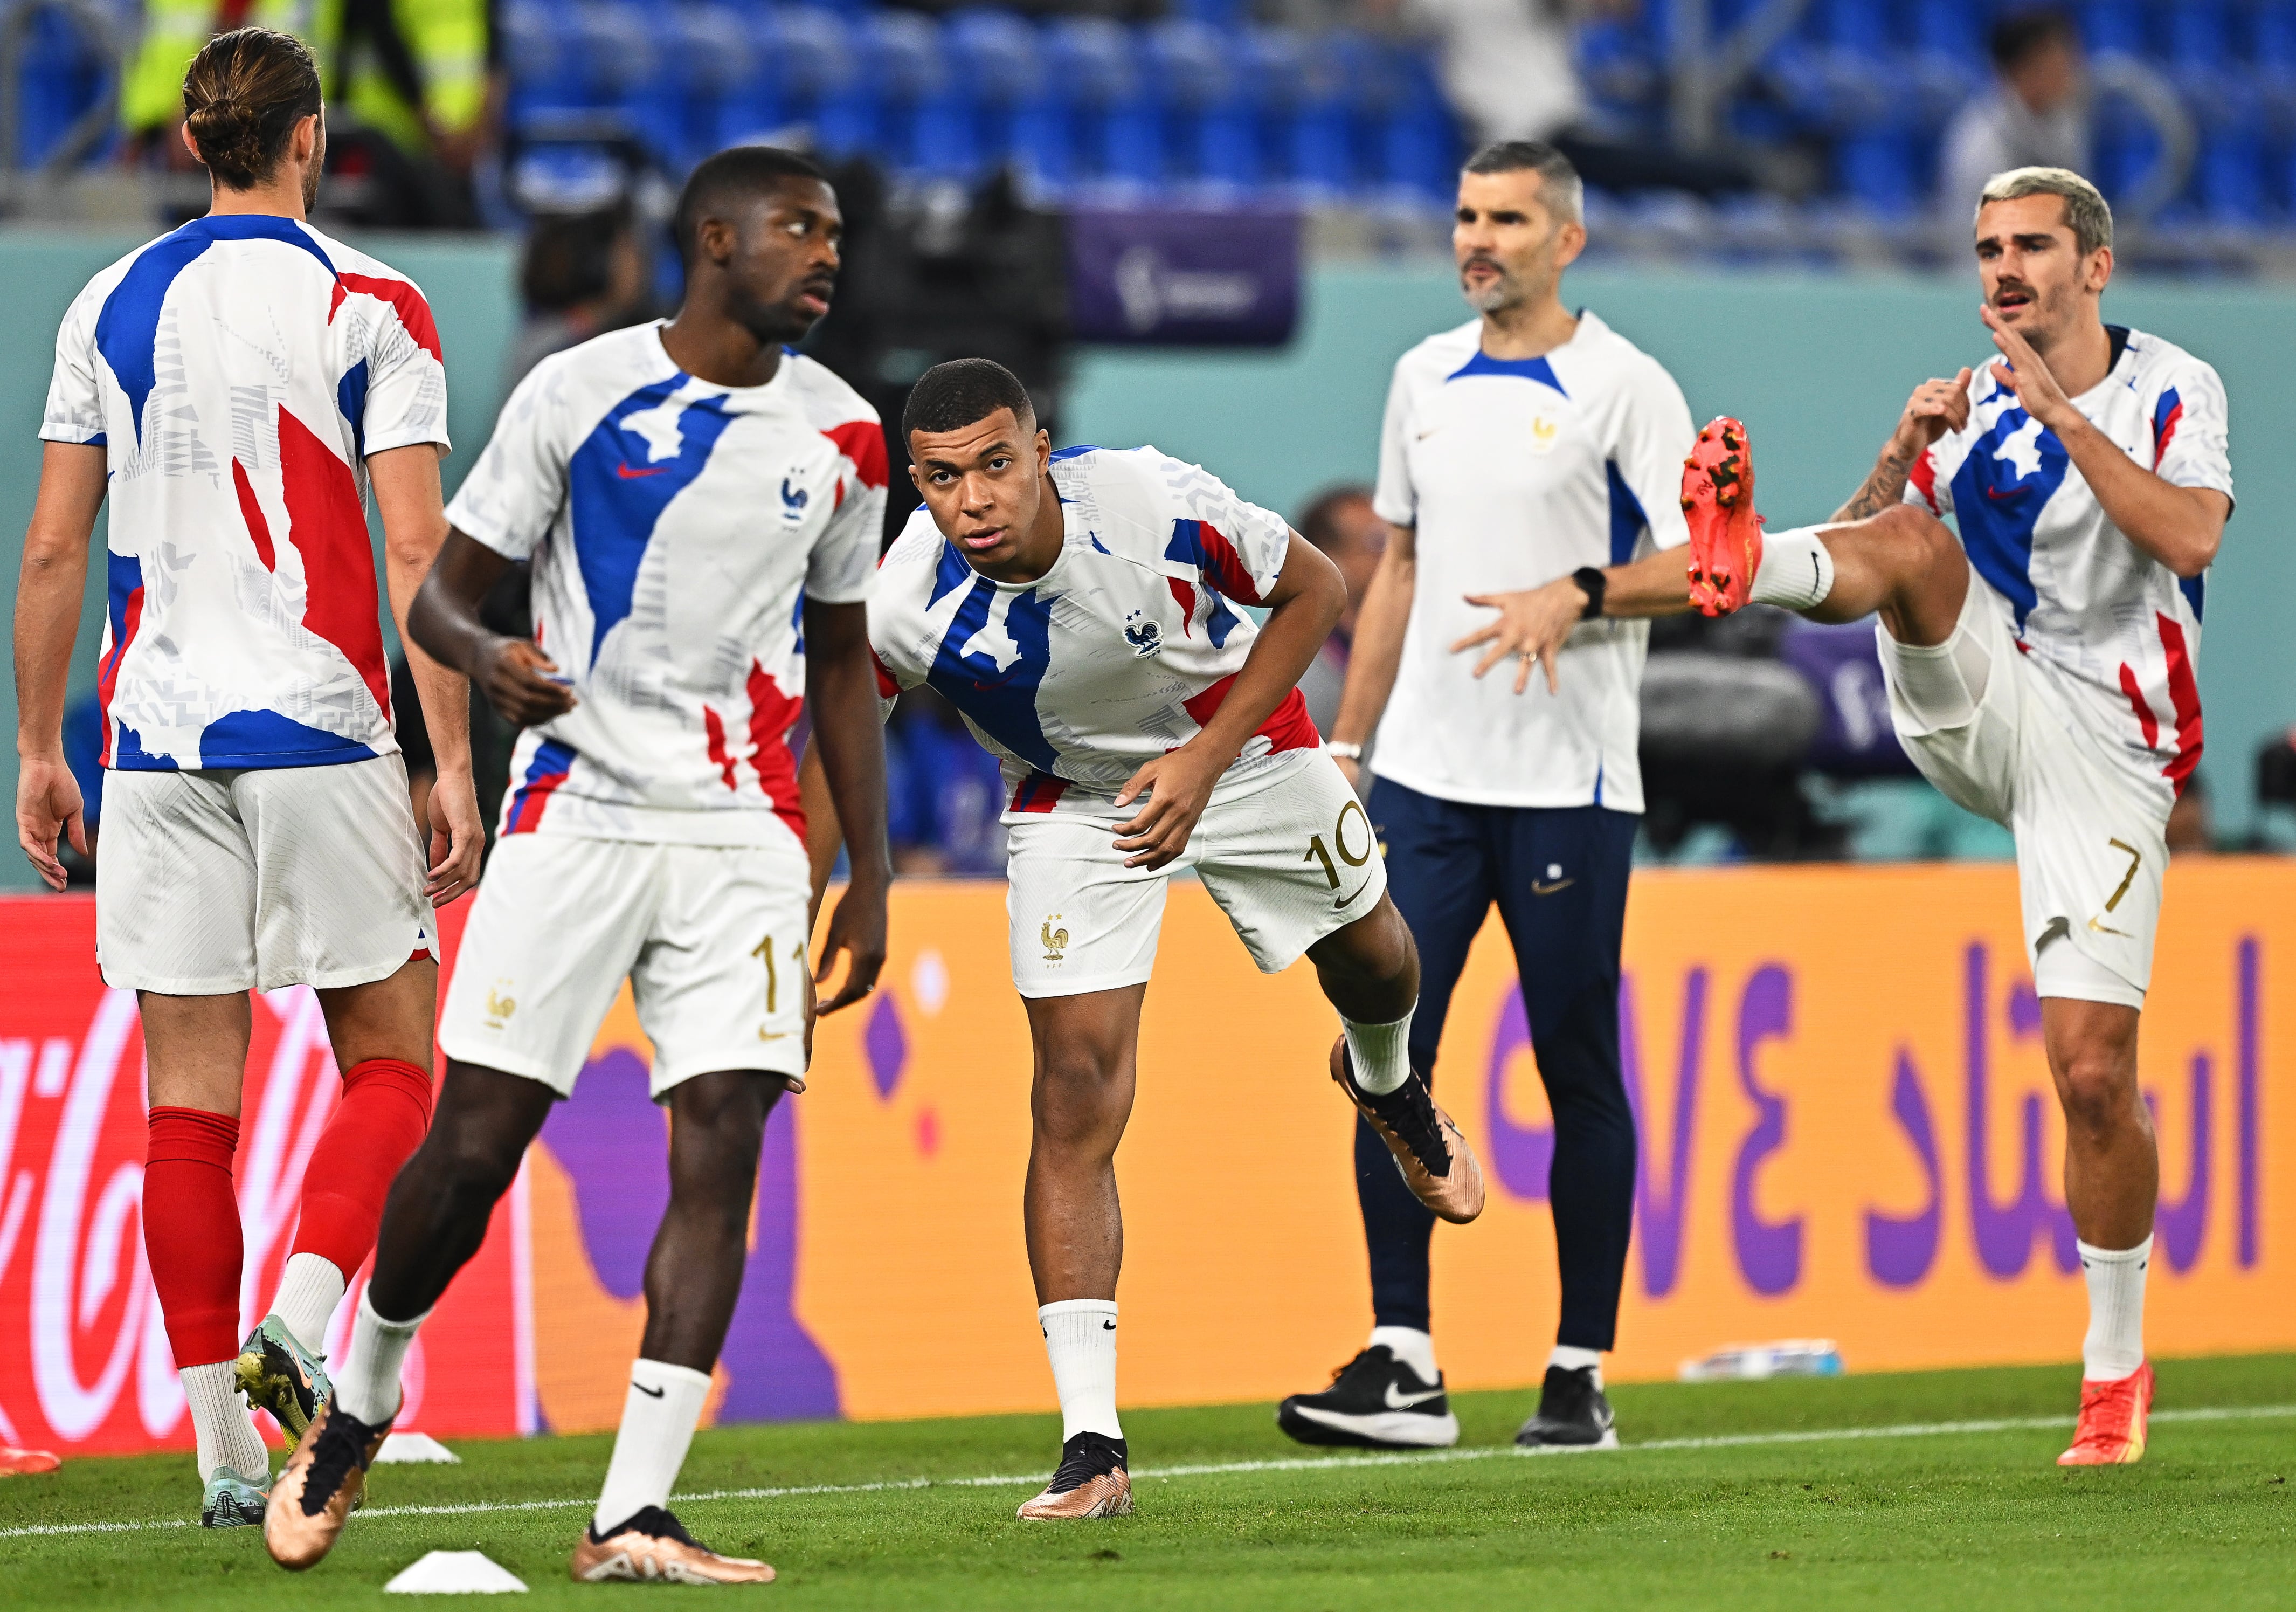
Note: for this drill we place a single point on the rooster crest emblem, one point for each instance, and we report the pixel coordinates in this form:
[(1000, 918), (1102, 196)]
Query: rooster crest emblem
[(793, 501), (1056, 940), (1146, 638)]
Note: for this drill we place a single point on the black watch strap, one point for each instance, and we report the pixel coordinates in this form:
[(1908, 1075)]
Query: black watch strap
[(1593, 582)]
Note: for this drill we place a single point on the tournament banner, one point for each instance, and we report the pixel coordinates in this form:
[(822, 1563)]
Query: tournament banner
[(1847, 1130)]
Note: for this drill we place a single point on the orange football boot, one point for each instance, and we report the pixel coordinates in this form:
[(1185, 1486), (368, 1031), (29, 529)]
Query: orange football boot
[(2113, 1418), (1718, 501)]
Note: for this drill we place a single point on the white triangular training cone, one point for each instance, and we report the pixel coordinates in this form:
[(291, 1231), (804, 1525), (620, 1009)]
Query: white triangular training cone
[(455, 1573), (402, 1449)]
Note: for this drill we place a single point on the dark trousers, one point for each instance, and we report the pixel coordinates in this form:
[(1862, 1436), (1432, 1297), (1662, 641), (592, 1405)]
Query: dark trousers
[(1559, 876)]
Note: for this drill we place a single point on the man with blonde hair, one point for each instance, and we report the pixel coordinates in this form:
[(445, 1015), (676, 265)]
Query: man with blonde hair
[(2042, 668)]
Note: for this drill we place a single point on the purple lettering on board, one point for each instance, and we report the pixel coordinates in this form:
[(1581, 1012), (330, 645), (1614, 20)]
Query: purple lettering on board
[(1769, 1253), (2005, 1232), (1900, 1250), (2248, 1076), (2183, 1224), (1521, 1155), (1659, 1220)]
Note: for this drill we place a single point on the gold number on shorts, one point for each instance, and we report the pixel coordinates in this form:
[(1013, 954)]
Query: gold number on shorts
[(1318, 852), (2136, 857), (764, 949)]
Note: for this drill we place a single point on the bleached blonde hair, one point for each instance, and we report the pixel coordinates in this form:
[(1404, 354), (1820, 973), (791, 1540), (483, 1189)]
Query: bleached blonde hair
[(2087, 212)]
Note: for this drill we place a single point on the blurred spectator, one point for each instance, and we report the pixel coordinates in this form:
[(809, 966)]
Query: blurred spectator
[(2192, 826), (410, 87), (1507, 64), (1341, 523), (580, 275), (2037, 115), (944, 794)]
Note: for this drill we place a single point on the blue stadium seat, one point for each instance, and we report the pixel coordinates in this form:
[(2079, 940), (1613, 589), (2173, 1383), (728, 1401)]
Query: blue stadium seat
[(1210, 128), (1017, 116), (2114, 25), (1319, 154), (1420, 144), (544, 63), (710, 54), (1117, 130), (626, 70), (60, 76), (1955, 28), (923, 123), (808, 70)]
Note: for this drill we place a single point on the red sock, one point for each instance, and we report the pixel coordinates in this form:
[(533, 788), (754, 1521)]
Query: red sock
[(385, 1110), (190, 1231)]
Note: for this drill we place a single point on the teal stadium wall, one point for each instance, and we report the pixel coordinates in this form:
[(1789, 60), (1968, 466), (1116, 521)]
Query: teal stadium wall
[(1817, 365)]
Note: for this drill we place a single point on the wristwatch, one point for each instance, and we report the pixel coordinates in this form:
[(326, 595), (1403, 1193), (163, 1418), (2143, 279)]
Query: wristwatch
[(1344, 751), (1592, 582)]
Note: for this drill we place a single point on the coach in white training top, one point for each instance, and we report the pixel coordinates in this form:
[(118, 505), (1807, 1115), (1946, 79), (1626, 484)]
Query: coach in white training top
[(1529, 457)]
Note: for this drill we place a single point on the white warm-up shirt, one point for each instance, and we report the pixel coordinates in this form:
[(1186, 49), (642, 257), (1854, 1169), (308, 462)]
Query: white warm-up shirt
[(1513, 472), (237, 373), (676, 529), (2119, 628), (1120, 652)]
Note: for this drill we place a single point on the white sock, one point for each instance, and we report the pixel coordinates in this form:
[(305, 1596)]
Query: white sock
[(2115, 1344), (1410, 1345), (659, 1416), (367, 1386), (227, 1438), (1381, 1053), (1080, 1338), (309, 1289), (1797, 571), (1572, 1358)]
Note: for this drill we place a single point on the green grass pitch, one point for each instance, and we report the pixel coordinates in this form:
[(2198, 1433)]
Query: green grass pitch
[(1935, 1490)]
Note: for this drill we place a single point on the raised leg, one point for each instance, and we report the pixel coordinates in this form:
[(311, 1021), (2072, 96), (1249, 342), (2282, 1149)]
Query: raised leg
[(1902, 562)]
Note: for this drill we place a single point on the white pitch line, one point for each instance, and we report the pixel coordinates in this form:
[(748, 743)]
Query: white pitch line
[(1301, 1463)]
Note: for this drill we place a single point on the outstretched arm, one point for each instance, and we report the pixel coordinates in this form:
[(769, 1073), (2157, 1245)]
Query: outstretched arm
[(1376, 655), (48, 590), (1302, 607), (847, 758), (1535, 622)]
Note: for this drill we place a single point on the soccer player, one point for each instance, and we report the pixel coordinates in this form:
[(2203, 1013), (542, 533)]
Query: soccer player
[(2041, 669), (1080, 609), (1531, 462), (238, 387), (702, 507)]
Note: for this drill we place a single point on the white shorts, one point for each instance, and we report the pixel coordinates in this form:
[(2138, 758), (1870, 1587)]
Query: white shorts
[(712, 939), (210, 883), (2091, 839), (1288, 862)]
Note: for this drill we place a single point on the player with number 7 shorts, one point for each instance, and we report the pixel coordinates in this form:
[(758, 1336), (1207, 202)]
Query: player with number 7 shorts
[(1084, 611)]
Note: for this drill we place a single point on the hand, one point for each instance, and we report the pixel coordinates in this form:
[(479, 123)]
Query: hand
[(1181, 781), (857, 929), (1935, 409), (458, 839), (1533, 624), (48, 805), (2024, 373), (1351, 770), (515, 675)]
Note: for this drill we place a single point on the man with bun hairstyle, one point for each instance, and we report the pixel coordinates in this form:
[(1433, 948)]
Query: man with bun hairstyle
[(238, 387)]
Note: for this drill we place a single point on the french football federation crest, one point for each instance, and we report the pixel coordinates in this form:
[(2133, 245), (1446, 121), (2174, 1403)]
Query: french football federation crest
[(1146, 636), (1056, 941), (793, 502)]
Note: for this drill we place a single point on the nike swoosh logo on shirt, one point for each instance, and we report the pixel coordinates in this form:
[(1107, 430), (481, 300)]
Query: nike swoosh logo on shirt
[(1538, 889), (628, 474), (1995, 493), (649, 1392), (1404, 1401)]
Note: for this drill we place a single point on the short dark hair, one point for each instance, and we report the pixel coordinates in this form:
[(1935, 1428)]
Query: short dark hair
[(2021, 34), (243, 95), (1319, 523), (1558, 180), (738, 170), (952, 396)]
